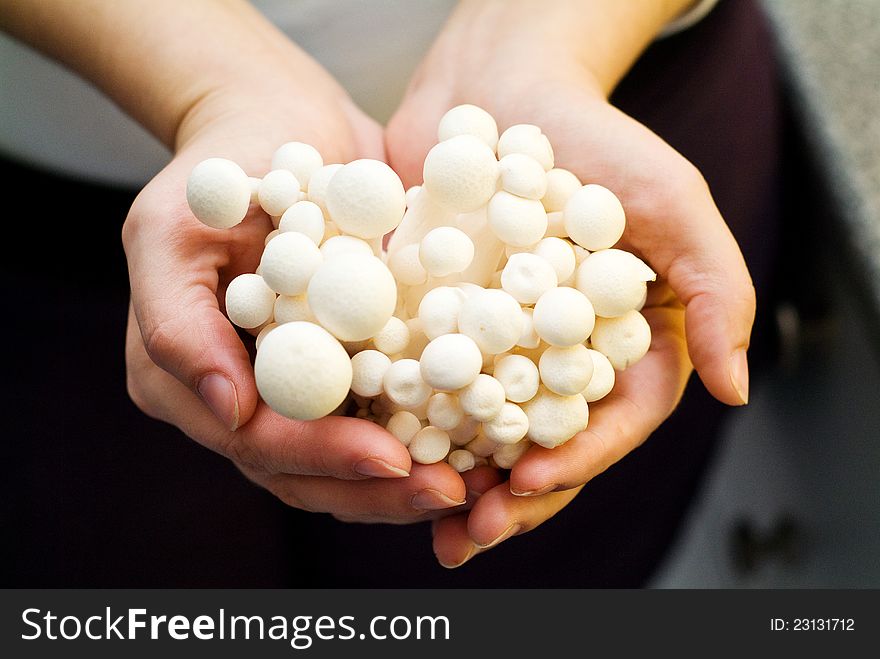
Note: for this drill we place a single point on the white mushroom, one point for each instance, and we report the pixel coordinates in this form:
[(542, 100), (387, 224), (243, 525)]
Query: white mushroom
[(318, 183), (450, 362), (439, 310), (493, 319), (429, 445), (445, 251), (523, 176), (218, 193), (404, 385), (270, 236), (461, 460), (255, 188), (528, 276), (406, 266), (352, 297), (306, 218), (465, 431), (516, 221), (289, 261), (529, 140), (481, 446), (279, 191), (417, 339), (554, 419), (563, 317), (624, 339), (444, 411), (301, 371), (469, 120), (302, 160), (510, 426), (403, 425), (393, 338), (345, 245), (602, 381), (559, 254), (268, 327), (519, 376), (368, 371), (411, 194), (528, 338), (249, 301), (460, 173), (561, 185), (594, 217), (555, 225), (483, 398), (566, 371), (366, 198), (614, 281), (507, 455), (290, 308)]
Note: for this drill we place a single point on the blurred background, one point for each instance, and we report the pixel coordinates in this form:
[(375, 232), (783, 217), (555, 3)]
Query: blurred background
[(791, 497)]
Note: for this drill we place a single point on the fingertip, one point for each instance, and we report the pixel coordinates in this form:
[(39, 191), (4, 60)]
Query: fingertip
[(451, 543)]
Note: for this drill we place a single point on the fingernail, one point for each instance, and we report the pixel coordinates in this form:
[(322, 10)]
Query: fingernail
[(534, 493), (219, 395), (430, 499), (511, 530), (468, 556), (377, 468), (739, 374)]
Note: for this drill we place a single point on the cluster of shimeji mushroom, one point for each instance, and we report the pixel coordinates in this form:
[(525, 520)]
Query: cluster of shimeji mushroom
[(498, 311)]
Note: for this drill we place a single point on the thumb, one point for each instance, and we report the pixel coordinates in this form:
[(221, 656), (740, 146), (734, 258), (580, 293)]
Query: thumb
[(412, 131)]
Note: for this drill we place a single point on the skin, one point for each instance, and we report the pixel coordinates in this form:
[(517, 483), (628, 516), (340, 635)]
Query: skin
[(189, 367)]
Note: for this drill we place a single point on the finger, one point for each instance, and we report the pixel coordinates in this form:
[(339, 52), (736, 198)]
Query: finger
[(412, 131), (429, 488), (335, 446), (643, 397)]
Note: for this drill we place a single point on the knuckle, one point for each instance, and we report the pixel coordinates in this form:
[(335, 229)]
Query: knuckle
[(160, 341)]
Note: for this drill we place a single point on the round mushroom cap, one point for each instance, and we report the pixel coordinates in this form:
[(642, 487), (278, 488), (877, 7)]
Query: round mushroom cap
[(444, 411), (469, 120), (522, 176), (559, 254), (602, 381), (566, 371), (368, 371), (624, 340), (218, 193), (302, 372), (404, 385), (554, 419), (429, 445), (527, 277), (594, 217), (403, 425), (528, 338), (366, 198), (290, 308), (345, 245), (561, 184), (461, 460), (445, 251), (461, 173), (563, 317), (249, 301), (519, 376), (279, 190), (516, 221), (268, 327), (450, 362), (393, 338), (301, 159), (529, 140), (614, 281), (483, 398), (352, 297), (510, 426), (407, 266), (493, 319), (318, 183), (507, 455), (439, 310), (289, 261), (306, 218)]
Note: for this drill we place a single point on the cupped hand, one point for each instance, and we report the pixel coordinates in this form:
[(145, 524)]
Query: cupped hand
[(188, 366), (701, 310)]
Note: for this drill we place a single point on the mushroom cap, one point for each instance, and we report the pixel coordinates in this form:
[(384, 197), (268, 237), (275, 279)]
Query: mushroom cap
[(450, 362), (483, 398), (429, 445), (445, 251), (417, 339), (594, 217), (519, 376), (290, 308), (218, 193), (563, 317), (507, 455), (439, 310), (268, 327), (407, 266), (528, 338), (481, 446), (468, 120), (306, 218), (393, 338), (555, 225), (566, 371), (411, 193), (465, 431), (366, 198), (561, 184), (279, 190), (554, 419), (345, 245), (301, 159), (404, 385), (522, 176), (624, 340), (614, 281), (493, 319), (461, 460), (516, 221), (270, 236), (302, 372), (318, 183), (602, 382), (352, 297), (527, 277), (510, 426), (289, 261), (249, 301), (559, 254), (368, 370), (444, 411), (461, 173), (529, 140), (403, 425)]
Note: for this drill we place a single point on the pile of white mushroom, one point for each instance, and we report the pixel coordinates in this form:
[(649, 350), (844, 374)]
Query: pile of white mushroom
[(498, 311)]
